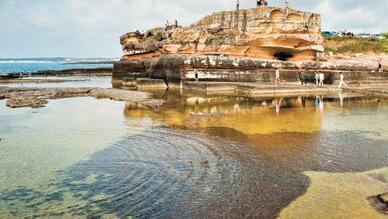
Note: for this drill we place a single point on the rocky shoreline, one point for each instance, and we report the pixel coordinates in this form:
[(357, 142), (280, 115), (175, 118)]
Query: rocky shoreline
[(38, 80), (179, 68), (76, 72), (58, 73), (39, 97)]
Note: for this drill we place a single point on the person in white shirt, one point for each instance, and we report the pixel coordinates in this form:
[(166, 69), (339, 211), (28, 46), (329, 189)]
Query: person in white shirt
[(342, 82), (316, 78), (277, 77), (321, 79)]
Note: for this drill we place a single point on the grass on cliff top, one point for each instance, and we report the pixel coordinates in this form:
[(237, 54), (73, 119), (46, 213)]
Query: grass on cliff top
[(355, 45)]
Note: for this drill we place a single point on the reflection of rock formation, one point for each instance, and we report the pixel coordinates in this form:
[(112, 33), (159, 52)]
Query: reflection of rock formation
[(265, 32), (246, 115)]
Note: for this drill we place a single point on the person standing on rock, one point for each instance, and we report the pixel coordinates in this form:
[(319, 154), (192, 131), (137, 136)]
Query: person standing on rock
[(167, 25), (321, 79), (342, 82), (277, 77), (316, 78), (303, 78), (262, 3), (381, 68)]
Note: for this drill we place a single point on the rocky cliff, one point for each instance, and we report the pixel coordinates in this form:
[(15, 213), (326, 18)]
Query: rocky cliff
[(262, 32), (245, 46)]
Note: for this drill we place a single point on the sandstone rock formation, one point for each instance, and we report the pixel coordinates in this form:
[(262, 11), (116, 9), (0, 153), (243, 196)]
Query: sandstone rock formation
[(179, 67), (262, 32), (235, 46)]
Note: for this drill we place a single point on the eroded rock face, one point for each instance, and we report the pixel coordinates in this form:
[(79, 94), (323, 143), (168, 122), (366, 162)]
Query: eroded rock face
[(236, 46), (182, 67), (263, 32)]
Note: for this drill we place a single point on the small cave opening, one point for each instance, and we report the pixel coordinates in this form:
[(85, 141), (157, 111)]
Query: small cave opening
[(283, 56)]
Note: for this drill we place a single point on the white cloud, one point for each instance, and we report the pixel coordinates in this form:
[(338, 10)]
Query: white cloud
[(92, 27), (340, 15)]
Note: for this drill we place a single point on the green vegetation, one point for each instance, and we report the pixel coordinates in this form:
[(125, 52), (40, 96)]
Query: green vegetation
[(385, 35), (356, 45)]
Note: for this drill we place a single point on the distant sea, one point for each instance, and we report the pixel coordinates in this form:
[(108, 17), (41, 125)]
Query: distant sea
[(32, 65)]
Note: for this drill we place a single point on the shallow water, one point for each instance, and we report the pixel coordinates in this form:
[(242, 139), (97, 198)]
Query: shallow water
[(74, 81), (197, 156), (331, 133), (32, 65), (37, 142)]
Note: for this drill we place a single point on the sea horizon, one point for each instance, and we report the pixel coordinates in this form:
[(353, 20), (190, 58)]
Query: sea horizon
[(33, 65)]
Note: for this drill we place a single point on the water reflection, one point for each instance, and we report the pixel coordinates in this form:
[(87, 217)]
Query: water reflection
[(303, 133), (278, 104), (247, 115), (206, 156), (319, 104), (165, 173)]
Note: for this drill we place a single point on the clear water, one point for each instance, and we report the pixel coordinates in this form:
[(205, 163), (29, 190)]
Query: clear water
[(31, 65), (198, 156), (73, 81)]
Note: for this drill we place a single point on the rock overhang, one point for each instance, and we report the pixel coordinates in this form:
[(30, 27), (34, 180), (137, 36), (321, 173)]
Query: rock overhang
[(259, 33)]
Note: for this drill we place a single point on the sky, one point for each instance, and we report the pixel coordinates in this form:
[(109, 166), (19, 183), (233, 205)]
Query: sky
[(91, 28)]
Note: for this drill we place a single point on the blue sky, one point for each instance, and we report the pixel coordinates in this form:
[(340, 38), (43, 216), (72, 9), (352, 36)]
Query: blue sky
[(91, 28)]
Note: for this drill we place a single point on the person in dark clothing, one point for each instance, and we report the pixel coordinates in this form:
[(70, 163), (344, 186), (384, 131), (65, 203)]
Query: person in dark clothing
[(167, 25), (303, 78), (381, 68), (262, 3)]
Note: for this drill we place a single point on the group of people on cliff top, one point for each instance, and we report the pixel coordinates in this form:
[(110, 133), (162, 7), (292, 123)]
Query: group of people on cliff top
[(262, 3), (318, 78)]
